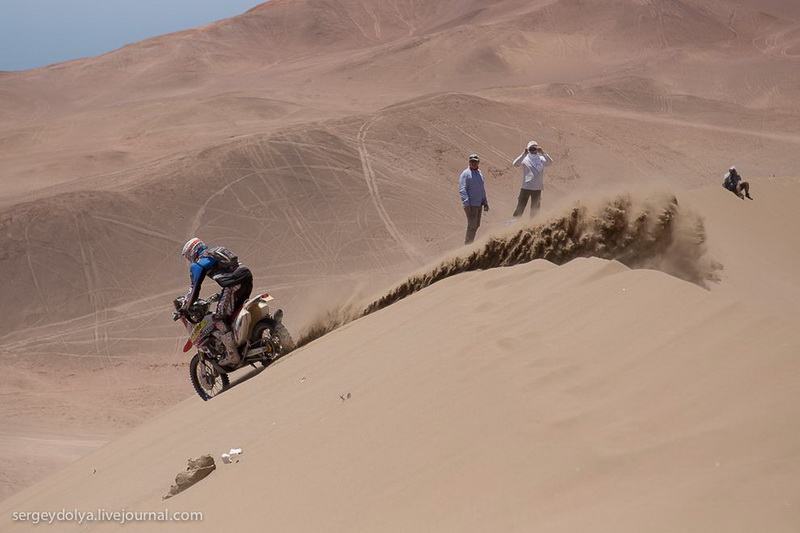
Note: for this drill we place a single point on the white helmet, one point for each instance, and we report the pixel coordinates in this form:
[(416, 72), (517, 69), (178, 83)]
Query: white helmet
[(192, 249)]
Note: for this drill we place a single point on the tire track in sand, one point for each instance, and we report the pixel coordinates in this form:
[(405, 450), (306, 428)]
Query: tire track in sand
[(372, 186), (92, 277), (195, 224)]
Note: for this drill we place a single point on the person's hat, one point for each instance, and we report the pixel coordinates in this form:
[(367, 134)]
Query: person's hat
[(732, 168), (533, 144), (474, 157)]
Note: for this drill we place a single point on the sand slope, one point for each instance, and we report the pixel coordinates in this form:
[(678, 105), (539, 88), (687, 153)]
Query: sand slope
[(536, 390), (322, 142)]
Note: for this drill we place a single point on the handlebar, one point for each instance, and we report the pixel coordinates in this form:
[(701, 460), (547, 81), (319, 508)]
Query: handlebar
[(181, 312)]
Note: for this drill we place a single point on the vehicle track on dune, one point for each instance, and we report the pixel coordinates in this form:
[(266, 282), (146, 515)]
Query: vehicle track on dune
[(139, 228), (62, 331), (195, 224), (91, 279), (372, 187), (595, 110), (39, 291), (785, 43)]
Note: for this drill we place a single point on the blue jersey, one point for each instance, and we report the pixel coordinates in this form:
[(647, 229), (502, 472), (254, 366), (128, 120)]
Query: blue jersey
[(211, 262), (197, 273)]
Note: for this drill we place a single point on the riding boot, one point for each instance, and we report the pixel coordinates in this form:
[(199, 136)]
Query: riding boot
[(229, 342)]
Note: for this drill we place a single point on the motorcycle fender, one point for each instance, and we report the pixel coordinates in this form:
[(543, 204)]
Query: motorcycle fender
[(187, 346), (240, 327), (261, 311)]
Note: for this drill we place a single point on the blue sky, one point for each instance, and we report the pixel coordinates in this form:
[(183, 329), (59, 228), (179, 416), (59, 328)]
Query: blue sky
[(35, 33)]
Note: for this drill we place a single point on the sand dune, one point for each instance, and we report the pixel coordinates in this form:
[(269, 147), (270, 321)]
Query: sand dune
[(168, 94), (537, 389), (639, 232), (625, 361)]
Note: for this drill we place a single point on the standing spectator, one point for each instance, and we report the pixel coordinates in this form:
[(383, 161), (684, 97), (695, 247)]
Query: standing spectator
[(533, 160), (733, 182), (473, 196)]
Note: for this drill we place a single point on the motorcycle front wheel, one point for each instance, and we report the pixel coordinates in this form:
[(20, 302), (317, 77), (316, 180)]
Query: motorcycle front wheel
[(207, 381)]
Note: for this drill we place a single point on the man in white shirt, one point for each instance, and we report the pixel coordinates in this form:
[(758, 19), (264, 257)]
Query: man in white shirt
[(533, 160)]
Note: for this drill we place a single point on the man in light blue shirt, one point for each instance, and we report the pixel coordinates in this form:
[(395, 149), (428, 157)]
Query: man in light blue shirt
[(473, 196)]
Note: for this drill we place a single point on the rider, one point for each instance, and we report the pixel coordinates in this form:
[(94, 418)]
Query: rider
[(236, 280)]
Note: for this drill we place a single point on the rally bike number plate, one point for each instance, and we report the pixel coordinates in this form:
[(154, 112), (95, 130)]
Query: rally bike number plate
[(197, 330)]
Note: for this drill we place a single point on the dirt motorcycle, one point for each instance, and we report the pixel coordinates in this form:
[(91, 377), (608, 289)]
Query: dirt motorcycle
[(260, 336)]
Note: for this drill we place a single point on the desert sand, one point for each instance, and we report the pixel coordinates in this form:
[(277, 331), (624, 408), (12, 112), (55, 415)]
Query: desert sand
[(627, 360)]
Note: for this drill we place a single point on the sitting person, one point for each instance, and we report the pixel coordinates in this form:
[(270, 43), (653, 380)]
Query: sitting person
[(733, 182)]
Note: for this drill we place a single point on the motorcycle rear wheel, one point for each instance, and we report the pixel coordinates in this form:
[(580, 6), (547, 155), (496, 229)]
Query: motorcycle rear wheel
[(264, 331), (216, 382)]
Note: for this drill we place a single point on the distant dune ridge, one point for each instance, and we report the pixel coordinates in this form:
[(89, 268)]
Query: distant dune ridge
[(625, 361)]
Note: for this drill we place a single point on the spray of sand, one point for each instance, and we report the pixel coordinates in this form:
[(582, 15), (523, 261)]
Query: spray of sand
[(648, 232)]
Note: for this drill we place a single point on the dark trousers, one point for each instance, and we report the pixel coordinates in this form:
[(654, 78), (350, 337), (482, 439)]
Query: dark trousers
[(522, 201), (473, 222), (236, 289)]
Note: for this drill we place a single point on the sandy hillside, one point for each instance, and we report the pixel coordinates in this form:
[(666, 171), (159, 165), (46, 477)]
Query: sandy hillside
[(633, 396), (323, 144)]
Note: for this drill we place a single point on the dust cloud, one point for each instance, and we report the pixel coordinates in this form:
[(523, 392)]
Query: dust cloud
[(650, 231)]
